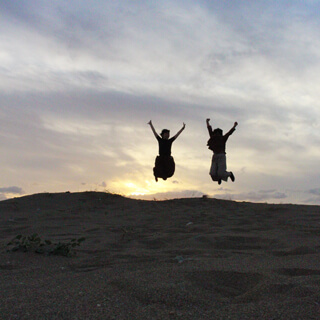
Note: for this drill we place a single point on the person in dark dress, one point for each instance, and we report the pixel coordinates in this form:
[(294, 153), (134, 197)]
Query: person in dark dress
[(164, 164), (217, 143)]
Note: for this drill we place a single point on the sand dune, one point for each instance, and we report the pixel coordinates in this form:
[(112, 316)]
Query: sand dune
[(178, 259)]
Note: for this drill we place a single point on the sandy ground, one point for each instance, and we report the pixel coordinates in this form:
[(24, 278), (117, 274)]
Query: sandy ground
[(179, 259)]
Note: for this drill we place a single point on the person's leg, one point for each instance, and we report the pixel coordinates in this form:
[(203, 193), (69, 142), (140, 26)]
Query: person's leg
[(155, 169), (170, 166), (214, 169), (158, 169), (223, 174)]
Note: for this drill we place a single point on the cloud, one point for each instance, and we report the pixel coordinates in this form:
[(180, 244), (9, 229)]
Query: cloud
[(315, 191), (13, 189), (6, 192), (103, 184), (253, 196), (115, 44)]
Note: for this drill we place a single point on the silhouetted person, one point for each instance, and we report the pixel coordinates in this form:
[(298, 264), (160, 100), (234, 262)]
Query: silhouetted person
[(164, 163), (217, 143)]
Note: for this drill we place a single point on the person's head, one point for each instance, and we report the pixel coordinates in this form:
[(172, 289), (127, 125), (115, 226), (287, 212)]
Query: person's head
[(217, 132), (165, 134)]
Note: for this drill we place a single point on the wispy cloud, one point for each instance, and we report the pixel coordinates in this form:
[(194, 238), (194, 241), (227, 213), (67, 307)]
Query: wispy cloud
[(259, 196), (6, 192), (315, 192), (14, 190)]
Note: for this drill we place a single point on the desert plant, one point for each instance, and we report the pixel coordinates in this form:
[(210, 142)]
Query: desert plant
[(25, 243), (35, 244), (65, 249)]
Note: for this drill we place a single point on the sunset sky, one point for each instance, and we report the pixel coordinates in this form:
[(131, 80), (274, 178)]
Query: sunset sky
[(81, 79)]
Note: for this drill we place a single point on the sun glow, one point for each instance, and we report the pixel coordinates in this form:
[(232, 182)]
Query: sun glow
[(134, 190), (137, 194), (140, 188)]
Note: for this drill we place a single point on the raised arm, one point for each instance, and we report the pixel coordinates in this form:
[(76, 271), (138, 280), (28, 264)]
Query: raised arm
[(153, 129), (209, 127), (232, 129), (178, 133)]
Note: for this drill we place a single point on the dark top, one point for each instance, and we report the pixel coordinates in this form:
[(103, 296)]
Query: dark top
[(218, 143), (165, 146)]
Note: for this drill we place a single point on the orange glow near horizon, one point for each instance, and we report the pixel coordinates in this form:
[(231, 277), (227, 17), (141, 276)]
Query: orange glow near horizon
[(141, 188)]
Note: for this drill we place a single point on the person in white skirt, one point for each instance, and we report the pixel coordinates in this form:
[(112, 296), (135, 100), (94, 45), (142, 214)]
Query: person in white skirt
[(217, 143)]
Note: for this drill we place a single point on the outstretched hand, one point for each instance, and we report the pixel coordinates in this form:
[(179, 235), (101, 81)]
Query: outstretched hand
[(150, 122), (235, 124), (184, 125)]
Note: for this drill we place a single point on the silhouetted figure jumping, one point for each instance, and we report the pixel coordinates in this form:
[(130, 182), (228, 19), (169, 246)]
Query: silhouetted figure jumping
[(217, 143), (164, 163)]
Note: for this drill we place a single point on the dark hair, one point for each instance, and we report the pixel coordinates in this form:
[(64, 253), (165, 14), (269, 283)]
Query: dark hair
[(218, 132), (164, 131)]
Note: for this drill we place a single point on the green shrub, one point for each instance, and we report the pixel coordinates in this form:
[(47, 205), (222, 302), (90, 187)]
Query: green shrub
[(35, 244)]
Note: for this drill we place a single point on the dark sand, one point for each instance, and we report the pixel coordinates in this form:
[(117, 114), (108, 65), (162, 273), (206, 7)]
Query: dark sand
[(177, 259)]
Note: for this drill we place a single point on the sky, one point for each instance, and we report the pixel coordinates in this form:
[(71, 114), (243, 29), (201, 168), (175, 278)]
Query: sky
[(79, 80)]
